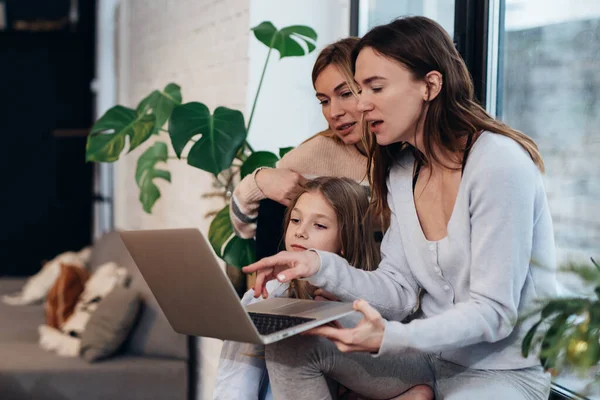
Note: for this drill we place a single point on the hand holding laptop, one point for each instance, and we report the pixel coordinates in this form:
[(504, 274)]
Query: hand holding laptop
[(198, 299), (367, 336), (284, 267)]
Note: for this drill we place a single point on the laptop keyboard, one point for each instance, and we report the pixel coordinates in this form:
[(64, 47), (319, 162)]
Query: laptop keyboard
[(269, 323)]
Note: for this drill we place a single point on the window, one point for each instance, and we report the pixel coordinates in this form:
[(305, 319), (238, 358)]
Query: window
[(377, 12), (544, 79), (536, 66)]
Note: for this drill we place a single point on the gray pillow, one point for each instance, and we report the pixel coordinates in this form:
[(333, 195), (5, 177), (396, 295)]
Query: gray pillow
[(110, 324)]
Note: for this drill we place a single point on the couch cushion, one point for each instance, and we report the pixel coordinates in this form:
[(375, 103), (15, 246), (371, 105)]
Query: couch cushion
[(110, 324), (28, 372), (19, 323), (152, 335)]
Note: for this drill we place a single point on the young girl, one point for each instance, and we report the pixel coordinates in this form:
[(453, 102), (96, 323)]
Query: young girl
[(330, 214)]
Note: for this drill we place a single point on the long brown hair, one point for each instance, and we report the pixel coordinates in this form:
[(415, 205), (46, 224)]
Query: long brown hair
[(350, 202), (422, 46)]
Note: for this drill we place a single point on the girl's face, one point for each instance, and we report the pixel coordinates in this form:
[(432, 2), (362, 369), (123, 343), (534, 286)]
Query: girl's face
[(313, 224), (339, 105), (391, 99)]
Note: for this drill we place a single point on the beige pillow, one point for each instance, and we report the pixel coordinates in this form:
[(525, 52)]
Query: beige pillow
[(110, 324)]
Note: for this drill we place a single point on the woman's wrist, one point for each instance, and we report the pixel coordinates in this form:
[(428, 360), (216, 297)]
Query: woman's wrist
[(254, 174), (318, 264)]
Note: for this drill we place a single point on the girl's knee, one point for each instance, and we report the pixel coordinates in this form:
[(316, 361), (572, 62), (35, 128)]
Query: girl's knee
[(295, 350)]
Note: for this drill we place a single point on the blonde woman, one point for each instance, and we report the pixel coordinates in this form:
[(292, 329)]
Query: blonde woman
[(337, 151)]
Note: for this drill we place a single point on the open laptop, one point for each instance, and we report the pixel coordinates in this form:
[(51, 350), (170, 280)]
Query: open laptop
[(198, 299)]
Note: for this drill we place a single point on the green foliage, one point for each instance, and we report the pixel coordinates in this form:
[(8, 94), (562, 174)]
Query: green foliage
[(232, 249), (239, 252), (287, 40), (161, 105), (256, 160), (146, 172), (219, 144), (222, 134), (107, 137), (568, 331), (284, 150)]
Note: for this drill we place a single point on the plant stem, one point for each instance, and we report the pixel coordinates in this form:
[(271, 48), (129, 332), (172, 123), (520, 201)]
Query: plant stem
[(163, 130), (262, 76)]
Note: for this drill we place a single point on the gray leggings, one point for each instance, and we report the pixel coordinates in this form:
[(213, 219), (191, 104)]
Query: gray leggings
[(299, 368)]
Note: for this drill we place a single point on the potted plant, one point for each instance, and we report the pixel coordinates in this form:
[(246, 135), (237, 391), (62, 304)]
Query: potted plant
[(567, 334), (220, 144)]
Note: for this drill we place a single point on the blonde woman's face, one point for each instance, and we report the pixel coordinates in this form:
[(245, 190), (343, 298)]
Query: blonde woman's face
[(339, 105), (313, 225)]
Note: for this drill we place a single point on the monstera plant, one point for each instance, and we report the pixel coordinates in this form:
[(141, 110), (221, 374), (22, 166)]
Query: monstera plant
[(219, 139)]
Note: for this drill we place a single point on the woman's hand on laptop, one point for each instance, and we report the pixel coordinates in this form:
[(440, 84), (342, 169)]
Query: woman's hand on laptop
[(284, 267), (367, 336)]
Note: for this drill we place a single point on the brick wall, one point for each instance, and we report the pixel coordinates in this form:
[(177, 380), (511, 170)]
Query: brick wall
[(203, 47)]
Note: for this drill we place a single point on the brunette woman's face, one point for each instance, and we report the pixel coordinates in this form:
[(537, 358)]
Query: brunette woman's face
[(391, 99), (339, 105)]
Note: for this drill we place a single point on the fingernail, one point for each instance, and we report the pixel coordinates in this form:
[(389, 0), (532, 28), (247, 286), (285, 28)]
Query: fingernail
[(281, 277)]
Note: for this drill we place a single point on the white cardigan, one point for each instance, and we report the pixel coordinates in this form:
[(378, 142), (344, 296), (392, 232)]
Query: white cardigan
[(497, 261)]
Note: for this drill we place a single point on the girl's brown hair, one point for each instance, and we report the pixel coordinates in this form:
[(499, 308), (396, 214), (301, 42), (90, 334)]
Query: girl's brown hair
[(350, 202), (453, 116)]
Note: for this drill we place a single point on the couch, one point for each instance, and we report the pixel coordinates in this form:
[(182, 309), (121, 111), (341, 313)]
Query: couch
[(154, 363)]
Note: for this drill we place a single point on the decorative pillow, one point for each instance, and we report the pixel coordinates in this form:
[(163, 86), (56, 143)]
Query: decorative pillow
[(110, 324), (64, 294), (66, 340), (37, 286)]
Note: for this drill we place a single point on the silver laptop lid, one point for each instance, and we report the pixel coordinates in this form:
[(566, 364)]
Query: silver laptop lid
[(193, 291)]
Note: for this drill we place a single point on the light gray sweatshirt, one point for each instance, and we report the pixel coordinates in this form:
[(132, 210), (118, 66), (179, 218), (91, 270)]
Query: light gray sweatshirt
[(497, 261)]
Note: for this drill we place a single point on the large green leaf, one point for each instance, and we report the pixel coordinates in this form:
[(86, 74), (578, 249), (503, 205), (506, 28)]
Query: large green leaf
[(220, 231), (258, 159), (286, 40), (237, 252), (240, 252), (284, 150), (107, 138), (161, 104), (222, 135), (146, 171)]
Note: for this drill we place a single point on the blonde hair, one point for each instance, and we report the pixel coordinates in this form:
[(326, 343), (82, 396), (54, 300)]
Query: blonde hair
[(356, 229), (339, 54)]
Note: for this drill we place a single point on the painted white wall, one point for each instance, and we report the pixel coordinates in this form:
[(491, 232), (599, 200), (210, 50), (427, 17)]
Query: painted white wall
[(287, 111), (205, 52)]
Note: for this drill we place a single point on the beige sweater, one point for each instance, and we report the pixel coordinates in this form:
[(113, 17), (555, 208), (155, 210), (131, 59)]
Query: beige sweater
[(319, 156)]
